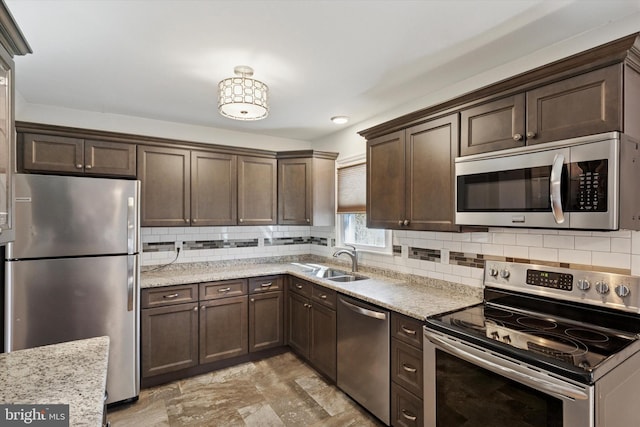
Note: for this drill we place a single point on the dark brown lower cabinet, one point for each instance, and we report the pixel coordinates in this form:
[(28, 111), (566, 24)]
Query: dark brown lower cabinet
[(406, 372), (223, 329), (169, 338), (322, 345), (190, 329), (266, 321), (406, 408), (312, 325)]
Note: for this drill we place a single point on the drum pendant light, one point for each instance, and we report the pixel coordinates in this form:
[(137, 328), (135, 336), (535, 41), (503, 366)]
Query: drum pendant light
[(243, 98)]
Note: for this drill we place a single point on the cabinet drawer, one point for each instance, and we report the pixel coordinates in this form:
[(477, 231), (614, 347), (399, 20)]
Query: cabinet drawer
[(406, 366), (265, 284), (301, 287), (406, 409), (223, 289), (324, 296), (406, 329), (168, 295)]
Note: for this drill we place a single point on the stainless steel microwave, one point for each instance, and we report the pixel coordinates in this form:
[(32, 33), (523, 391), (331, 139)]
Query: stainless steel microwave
[(590, 183)]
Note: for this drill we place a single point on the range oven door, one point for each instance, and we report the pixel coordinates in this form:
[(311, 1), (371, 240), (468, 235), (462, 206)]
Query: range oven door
[(467, 385), (567, 184)]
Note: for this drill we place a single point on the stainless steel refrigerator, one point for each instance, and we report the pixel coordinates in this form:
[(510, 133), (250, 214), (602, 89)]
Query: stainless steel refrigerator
[(73, 270)]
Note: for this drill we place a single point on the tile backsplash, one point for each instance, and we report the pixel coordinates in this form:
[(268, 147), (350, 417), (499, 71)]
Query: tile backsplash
[(455, 257)]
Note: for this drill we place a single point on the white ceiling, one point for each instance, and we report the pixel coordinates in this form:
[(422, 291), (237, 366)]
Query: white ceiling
[(162, 59)]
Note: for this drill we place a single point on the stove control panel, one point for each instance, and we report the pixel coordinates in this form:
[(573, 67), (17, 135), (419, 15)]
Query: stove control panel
[(550, 279), (603, 289)]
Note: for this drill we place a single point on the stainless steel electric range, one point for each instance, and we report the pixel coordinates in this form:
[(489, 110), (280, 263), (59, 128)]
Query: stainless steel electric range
[(548, 347)]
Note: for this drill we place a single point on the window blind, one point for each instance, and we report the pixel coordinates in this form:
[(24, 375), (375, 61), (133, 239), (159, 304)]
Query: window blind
[(352, 188)]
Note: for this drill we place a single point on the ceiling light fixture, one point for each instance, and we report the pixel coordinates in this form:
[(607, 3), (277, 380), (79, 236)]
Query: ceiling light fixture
[(243, 98), (340, 120)]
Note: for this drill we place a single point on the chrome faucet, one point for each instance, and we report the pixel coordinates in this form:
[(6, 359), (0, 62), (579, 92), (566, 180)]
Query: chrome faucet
[(352, 253)]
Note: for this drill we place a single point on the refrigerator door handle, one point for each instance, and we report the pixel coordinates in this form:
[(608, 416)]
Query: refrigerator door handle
[(131, 281), (131, 225)]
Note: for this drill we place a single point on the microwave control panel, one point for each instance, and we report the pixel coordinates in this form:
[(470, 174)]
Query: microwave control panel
[(588, 192)]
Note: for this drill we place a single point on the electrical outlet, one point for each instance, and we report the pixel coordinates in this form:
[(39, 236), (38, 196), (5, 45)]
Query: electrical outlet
[(178, 246)]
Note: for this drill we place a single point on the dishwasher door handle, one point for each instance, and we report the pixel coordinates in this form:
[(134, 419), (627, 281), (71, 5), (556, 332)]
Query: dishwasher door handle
[(364, 311)]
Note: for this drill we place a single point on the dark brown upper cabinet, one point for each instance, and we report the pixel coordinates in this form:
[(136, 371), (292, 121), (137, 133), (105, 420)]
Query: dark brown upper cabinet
[(165, 175), (67, 155), (257, 190), (182, 187), (306, 188), (582, 105), (214, 192), (410, 177)]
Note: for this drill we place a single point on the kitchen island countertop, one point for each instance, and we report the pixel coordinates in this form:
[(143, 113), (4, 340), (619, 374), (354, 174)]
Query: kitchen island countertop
[(73, 373), (417, 298)]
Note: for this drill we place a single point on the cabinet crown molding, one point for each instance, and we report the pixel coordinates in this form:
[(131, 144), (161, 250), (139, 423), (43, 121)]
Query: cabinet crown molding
[(625, 49)]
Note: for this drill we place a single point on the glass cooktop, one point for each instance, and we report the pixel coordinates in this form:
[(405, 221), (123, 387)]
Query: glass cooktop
[(555, 341)]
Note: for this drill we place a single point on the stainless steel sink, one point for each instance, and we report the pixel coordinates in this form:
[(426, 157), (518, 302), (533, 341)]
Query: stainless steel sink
[(347, 278), (333, 274)]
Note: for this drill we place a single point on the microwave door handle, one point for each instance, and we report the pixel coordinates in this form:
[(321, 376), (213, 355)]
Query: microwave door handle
[(555, 188)]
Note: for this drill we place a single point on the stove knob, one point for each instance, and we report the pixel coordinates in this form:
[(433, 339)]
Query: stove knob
[(602, 288), (493, 272), (622, 290), (584, 284), (495, 335), (504, 274), (506, 339)]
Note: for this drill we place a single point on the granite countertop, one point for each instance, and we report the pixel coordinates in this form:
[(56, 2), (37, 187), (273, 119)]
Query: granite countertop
[(417, 298), (73, 373)]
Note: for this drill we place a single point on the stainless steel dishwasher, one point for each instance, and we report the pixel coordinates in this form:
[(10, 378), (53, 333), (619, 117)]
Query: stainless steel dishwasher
[(363, 355)]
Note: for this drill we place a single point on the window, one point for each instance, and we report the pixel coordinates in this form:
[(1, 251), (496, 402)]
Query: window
[(352, 218)]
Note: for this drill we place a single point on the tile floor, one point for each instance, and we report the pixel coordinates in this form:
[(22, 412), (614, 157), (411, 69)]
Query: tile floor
[(277, 391)]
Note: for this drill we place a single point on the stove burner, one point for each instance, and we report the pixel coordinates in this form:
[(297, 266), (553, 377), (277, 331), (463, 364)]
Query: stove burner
[(586, 335), (535, 323), (556, 345), (492, 312), (466, 325)]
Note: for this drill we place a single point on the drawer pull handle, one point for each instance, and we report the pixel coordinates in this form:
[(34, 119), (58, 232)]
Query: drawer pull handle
[(266, 285), (299, 286), (170, 296), (408, 331), (408, 415), (323, 296), (409, 368), (224, 290)]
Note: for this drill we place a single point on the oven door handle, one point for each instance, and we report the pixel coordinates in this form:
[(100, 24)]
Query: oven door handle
[(555, 188), (557, 390)]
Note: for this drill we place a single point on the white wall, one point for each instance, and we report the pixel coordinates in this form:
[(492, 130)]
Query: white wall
[(141, 126)]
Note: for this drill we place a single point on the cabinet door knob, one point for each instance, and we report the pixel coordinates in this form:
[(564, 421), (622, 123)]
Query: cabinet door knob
[(194, 221), (195, 308), (241, 220), (517, 137), (399, 222), (298, 286), (204, 307), (308, 219), (323, 296), (405, 222), (88, 167), (78, 166), (253, 300), (531, 135)]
